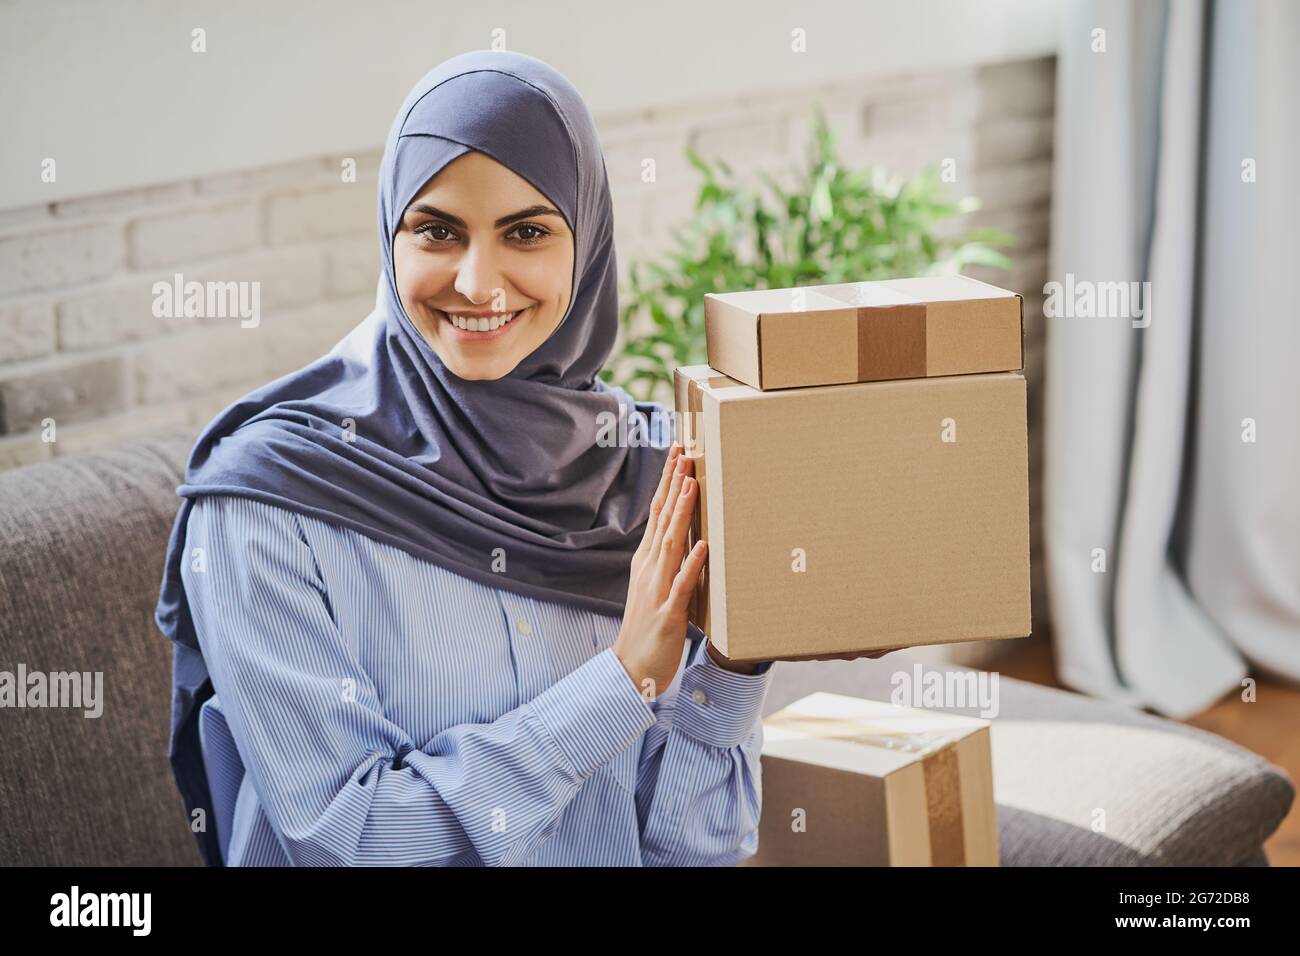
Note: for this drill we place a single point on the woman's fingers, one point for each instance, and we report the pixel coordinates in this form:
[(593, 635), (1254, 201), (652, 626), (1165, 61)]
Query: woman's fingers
[(684, 583), (661, 493), (680, 473), (673, 542)]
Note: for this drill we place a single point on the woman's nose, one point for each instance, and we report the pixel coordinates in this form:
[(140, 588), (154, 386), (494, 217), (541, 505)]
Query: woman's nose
[(478, 275)]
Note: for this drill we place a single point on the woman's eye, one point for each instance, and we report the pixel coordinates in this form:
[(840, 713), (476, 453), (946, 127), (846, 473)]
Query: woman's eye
[(440, 234), (435, 232), (529, 233)]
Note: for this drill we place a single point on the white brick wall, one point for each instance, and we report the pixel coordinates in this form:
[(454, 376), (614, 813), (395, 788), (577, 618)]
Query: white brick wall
[(79, 343), (328, 213), (43, 259), (26, 331), (193, 234)]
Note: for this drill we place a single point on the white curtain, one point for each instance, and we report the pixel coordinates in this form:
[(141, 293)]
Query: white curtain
[(1172, 431)]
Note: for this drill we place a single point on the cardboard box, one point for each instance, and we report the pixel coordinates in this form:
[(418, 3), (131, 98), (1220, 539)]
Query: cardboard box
[(850, 518), (852, 782), (864, 331)]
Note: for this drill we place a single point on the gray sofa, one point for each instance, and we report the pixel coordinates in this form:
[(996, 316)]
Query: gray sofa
[(81, 547)]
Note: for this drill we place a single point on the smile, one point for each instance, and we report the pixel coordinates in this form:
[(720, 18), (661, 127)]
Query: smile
[(481, 327)]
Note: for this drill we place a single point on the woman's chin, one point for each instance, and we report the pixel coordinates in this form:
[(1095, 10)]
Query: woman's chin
[(473, 367)]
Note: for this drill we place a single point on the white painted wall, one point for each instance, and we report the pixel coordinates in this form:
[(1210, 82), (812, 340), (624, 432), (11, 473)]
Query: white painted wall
[(111, 90)]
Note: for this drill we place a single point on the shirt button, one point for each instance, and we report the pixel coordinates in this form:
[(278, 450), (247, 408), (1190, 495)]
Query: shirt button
[(523, 627), (699, 696)]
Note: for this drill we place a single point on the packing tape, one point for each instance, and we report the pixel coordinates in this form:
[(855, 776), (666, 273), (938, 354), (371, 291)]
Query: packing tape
[(863, 732), (892, 342)]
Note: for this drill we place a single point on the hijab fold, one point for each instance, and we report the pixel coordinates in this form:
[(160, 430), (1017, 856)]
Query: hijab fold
[(379, 436)]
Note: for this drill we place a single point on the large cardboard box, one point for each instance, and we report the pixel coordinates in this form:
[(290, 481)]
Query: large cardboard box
[(852, 782), (864, 331), (857, 517)]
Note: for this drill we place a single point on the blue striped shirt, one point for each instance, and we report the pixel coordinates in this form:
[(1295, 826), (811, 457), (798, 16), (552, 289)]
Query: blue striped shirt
[(373, 708)]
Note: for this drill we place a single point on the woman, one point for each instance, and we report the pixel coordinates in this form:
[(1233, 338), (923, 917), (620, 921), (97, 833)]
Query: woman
[(420, 614)]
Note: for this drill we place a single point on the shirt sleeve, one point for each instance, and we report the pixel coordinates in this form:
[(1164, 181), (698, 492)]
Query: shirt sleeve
[(340, 783), (699, 783)]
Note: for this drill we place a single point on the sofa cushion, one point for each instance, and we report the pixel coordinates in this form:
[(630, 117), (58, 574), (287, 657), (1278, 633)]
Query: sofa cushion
[(80, 569), (1164, 794)]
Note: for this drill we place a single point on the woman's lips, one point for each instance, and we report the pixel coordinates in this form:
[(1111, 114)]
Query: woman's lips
[(475, 336)]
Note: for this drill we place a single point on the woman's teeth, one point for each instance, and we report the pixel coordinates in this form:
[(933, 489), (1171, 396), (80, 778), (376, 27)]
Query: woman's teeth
[(483, 324)]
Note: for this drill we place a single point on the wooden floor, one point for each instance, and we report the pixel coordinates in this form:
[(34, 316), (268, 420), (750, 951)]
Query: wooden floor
[(1270, 727)]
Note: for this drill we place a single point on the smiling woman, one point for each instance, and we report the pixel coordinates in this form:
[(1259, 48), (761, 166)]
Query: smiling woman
[(484, 266), (421, 614)]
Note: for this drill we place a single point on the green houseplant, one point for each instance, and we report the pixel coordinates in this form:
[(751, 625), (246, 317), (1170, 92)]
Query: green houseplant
[(832, 224)]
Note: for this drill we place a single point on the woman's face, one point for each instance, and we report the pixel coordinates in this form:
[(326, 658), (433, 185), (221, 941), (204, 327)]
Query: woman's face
[(483, 265)]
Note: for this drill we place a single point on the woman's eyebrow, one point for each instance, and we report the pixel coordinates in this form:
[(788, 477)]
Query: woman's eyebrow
[(527, 213), (503, 221)]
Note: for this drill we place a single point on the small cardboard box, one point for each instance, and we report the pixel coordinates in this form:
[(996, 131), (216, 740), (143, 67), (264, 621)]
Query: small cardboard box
[(864, 331), (850, 518), (852, 782)]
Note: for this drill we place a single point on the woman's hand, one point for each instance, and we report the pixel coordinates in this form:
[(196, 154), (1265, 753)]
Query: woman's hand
[(653, 634)]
